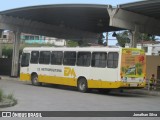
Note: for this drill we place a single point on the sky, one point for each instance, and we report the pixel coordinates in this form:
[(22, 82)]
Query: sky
[(11, 4)]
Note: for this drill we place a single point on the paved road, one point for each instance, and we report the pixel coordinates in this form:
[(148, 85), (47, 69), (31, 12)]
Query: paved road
[(53, 98), (64, 98)]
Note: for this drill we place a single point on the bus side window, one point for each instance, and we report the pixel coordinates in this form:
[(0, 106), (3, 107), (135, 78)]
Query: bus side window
[(56, 57), (112, 61), (25, 59), (44, 57), (69, 58), (99, 59), (34, 57), (83, 59)]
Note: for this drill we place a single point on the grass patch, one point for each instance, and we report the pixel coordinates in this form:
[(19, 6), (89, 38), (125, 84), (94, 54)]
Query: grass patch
[(1, 95), (11, 97), (7, 100)]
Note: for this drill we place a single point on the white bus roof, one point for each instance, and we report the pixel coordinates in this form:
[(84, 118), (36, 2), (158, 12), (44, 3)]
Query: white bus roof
[(72, 49)]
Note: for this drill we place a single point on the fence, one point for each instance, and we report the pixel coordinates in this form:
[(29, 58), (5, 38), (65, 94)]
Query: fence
[(5, 66)]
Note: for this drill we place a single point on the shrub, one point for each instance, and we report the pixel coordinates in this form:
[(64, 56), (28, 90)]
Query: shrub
[(11, 97), (4, 97), (1, 95)]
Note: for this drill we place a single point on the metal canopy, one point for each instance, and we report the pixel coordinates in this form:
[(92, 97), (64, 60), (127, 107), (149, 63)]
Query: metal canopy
[(85, 17), (149, 8)]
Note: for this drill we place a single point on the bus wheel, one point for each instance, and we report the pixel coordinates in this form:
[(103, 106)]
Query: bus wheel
[(82, 85), (34, 80)]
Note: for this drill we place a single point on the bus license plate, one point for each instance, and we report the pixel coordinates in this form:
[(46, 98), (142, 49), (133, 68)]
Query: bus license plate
[(133, 84)]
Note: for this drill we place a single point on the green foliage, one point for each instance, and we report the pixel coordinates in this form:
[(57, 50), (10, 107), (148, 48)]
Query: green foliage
[(123, 69), (139, 71), (1, 95), (7, 52), (7, 49), (138, 65), (100, 39), (122, 38), (131, 73), (10, 96), (146, 37), (71, 43), (139, 68)]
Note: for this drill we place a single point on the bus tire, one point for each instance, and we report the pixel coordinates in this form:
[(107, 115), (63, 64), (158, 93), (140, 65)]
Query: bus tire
[(34, 80), (82, 85)]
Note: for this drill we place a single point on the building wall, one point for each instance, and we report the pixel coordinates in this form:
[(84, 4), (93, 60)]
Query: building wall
[(152, 62), (8, 37), (55, 41), (156, 50), (29, 38), (151, 49)]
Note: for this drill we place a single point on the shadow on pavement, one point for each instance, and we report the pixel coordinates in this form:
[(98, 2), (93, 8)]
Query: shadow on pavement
[(115, 92)]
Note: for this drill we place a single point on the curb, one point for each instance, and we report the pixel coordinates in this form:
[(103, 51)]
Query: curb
[(7, 77), (8, 104)]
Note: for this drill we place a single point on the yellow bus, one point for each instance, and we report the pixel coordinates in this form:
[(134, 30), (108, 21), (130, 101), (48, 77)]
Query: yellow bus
[(85, 68)]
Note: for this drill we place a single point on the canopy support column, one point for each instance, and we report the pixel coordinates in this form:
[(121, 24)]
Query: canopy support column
[(135, 34), (15, 55)]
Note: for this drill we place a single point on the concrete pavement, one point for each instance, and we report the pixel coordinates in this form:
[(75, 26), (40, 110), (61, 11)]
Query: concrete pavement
[(61, 98), (143, 92), (130, 91)]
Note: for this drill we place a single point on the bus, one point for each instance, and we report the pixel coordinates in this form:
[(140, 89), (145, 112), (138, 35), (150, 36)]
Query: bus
[(102, 68)]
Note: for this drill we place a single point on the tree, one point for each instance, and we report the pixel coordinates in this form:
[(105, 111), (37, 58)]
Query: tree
[(146, 37), (71, 43), (122, 38), (100, 39)]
